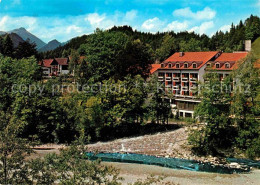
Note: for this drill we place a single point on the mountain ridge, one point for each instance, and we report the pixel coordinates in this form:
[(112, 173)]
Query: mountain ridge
[(53, 44), (25, 35)]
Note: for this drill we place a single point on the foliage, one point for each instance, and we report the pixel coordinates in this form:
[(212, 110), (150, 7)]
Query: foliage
[(23, 50), (231, 119), (214, 111), (246, 107), (159, 107), (168, 46)]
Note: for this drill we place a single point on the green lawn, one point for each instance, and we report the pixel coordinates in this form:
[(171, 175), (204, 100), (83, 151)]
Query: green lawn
[(256, 47)]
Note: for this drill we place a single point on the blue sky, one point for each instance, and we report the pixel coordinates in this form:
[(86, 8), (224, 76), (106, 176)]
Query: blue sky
[(65, 19)]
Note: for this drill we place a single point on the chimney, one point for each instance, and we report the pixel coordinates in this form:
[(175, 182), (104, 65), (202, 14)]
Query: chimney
[(248, 45), (181, 54)]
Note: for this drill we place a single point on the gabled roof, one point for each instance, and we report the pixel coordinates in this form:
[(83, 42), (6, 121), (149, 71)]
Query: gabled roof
[(154, 68), (231, 58), (62, 61), (199, 58), (46, 62), (49, 62)]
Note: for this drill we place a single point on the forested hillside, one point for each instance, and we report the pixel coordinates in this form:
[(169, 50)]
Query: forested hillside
[(165, 43), (256, 47)]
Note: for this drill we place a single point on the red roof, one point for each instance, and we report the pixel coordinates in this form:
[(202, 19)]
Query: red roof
[(46, 62), (62, 61), (181, 58), (154, 68), (228, 58), (231, 57)]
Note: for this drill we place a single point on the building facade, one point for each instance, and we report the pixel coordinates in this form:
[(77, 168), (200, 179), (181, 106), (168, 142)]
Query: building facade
[(182, 71)]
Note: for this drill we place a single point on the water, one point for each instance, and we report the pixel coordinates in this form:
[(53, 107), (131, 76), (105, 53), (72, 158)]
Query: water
[(174, 163)]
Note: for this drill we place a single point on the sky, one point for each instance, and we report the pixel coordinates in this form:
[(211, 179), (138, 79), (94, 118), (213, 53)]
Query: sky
[(65, 19)]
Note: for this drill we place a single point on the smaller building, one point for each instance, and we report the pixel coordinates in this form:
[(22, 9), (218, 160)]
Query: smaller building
[(55, 67)]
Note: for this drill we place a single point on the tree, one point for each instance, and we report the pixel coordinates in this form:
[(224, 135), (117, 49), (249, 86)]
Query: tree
[(217, 134), (191, 45), (246, 107), (13, 150), (8, 47), (167, 47), (157, 104), (25, 50)]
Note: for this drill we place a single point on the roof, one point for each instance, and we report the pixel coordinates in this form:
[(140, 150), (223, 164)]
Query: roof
[(49, 62), (62, 61), (46, 62), (154, 68), (199, 58), (231, 58)]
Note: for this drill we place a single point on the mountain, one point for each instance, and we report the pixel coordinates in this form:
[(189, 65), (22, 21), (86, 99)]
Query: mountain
[(24, 34), (2, 33), (16, 39), (50, 46)]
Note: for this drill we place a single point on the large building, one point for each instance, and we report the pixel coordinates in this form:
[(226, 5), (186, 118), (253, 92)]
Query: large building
[(182, 71)]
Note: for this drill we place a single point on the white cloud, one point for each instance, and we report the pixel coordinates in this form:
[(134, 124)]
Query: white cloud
[(152, 25), (206, 14), (131, 15), (3, 22), (225, 28), (73, 28), (203, 28), (95, 19), (177, 26)]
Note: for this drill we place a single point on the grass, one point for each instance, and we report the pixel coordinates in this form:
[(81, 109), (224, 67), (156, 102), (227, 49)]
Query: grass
[(256, 47)]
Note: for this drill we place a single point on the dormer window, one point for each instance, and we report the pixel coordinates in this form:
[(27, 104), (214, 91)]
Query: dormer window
[(162, 65), (186, 65), (227, 65), (177, 65), (194, 65), (170, 65), (217, 65)]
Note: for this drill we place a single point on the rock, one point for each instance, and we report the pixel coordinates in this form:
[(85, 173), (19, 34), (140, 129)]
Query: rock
[(234, 165)]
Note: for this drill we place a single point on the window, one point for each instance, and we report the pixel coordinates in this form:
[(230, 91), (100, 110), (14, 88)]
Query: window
[(194, 65), (227, 65), (185, 65), (170, 65), (217, 65), (162, 65), (177, 65), (161, 74), (65, 67)]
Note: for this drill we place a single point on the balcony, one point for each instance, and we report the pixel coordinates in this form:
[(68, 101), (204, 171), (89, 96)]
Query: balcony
[(184, 79), (176, 87), (176, 79), (185, 88), (168, 79), (160, 78), (193, 79), (193, 87)]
